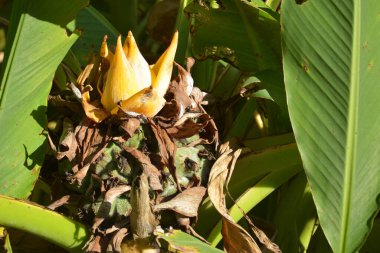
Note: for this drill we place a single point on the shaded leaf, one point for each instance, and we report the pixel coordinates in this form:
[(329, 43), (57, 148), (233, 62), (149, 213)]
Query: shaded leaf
[(93, 26), (243, 21)]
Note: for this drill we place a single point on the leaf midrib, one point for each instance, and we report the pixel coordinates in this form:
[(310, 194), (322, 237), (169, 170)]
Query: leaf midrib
[(352, 125)]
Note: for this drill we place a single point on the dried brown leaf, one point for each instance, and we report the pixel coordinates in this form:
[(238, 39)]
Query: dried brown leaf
[(178, 97), (149, 169), (167, 148), (58, 101), (130, 125), (186, 81), (67, 145), (93, 245), (117, 239), (114, 192), (189, 125), (185, 203), (60, 202), (79, 175), (235, 238), (91, 142)]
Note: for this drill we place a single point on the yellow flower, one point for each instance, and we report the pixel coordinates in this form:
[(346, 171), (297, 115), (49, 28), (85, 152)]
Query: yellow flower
[(139, 88)]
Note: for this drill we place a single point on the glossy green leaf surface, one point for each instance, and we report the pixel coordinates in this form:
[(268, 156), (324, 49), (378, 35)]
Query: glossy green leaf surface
[(244, 33), (332, 73), (37, 42), (44, 223), (181, 242)]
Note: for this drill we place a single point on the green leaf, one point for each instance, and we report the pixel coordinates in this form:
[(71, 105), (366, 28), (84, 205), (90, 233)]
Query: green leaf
[(181, 242), (93, 26), (244, 33), (37, 42), (44, 223), (295, 215), (331, 69)]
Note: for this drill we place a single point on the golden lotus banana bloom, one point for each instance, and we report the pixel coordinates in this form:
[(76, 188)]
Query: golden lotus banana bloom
[(131, 83)]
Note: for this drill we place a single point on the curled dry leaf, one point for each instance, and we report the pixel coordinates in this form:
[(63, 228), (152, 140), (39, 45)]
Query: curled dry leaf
[(60, 202), (129, 125), (79, 175), (117, 239), (93, 245), (178, 97), (58, 101), (149, 169), (189, 125), (167, 148), (67, 144), (91, 141), (105, 206), (235, 238), (185, 203)]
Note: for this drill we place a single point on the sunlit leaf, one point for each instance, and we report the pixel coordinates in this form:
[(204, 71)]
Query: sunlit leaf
[(38, 41)]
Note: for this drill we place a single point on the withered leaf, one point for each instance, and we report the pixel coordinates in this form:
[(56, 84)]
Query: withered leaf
[(130, 125), (149, 169), (167, 149), (189, 125), (67, 144), (58, 101), (185, 203), (117, 239), (60, 202), (114, 192), (235, 238), (80, 175), (186, 81), (91, 141), (178, 97), (93, 245)]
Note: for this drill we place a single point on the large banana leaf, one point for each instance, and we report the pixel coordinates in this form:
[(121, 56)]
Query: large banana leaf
[(332, 72), (37, 42)]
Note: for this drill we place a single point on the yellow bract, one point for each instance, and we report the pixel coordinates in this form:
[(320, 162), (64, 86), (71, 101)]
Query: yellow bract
[(131, 82)]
